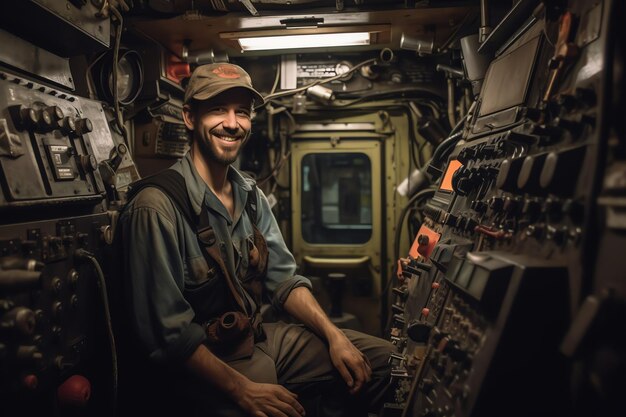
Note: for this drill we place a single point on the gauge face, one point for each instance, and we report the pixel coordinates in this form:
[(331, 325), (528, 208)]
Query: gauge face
[(342, 68), (125, 79), (129, 77)]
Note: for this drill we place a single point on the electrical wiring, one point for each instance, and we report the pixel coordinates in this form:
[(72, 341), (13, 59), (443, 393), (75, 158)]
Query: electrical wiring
[(396, 94), (116, 50), (428, 192), (102, 287), (273, 96), (276, 78), (275, 170)]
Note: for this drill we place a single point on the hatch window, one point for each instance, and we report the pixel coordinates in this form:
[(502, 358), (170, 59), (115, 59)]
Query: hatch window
[(336, 205)]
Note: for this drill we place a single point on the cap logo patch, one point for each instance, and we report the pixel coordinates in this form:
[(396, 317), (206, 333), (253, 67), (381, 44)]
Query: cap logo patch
[(224, 71)]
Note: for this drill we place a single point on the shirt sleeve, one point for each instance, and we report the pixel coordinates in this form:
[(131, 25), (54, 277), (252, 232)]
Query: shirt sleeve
[(158, 313), (281, 268)]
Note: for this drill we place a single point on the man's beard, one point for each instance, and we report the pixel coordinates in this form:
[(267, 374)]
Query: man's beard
[(209, 153)]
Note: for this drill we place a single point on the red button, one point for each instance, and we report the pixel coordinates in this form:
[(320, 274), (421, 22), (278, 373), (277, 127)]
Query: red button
[(435, 285), (74, 392), (425, 311), (30, 382)]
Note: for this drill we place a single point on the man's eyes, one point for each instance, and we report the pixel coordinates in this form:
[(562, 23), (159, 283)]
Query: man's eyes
[(224, 110)]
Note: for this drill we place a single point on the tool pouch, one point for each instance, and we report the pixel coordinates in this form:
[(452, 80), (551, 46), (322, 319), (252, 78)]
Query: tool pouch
[(230, 336)]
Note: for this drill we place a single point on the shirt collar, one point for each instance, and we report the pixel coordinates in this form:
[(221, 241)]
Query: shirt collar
[(197, 188)]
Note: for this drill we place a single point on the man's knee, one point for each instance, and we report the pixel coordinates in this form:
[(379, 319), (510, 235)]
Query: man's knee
[(376, 349)]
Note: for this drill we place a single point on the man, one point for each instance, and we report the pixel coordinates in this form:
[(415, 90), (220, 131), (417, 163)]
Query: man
[(176, 293)]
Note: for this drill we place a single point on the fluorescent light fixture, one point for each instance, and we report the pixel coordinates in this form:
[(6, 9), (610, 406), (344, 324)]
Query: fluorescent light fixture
[(319, 40)]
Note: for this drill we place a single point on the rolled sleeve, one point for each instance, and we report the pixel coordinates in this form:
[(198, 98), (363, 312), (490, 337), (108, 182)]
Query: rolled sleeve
[(158, 313), (284, 289)]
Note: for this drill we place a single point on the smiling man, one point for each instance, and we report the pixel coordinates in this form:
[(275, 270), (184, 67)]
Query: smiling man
[(200, 266)]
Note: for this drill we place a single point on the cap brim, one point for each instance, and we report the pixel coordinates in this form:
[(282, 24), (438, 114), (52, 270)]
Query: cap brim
[(205, 95)]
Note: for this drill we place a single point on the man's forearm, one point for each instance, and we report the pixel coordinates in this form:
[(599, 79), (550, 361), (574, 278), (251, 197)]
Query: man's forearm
[(209, 367), (304, 307), (253, 398)]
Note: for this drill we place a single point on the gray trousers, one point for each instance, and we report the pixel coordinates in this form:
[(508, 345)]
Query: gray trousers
[(297, 359)]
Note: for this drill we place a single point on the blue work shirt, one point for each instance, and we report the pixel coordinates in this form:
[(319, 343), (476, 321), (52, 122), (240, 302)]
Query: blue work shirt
[(162, 258)]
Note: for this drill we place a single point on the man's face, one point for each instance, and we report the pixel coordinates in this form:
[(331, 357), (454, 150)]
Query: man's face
[(221, 125)]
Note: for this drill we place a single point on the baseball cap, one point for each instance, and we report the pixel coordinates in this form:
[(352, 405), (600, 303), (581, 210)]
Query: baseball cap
[(207, 81)]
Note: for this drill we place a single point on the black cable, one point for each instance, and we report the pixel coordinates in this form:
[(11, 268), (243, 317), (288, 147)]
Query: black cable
[(397, 233), (397, 94), (119, 119), (444, 147), (83, 254)]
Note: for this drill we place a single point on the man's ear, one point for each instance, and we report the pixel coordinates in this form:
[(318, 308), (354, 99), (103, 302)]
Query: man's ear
[(188, 116)]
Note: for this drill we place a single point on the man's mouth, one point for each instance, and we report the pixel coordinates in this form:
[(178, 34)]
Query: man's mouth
[(227, 138)]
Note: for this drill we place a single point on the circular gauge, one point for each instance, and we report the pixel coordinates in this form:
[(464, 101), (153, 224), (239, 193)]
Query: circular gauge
[(129, 77), (342, 68), (125, 79)]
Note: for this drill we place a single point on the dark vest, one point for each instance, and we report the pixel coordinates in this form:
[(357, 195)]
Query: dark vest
[(222, 293)]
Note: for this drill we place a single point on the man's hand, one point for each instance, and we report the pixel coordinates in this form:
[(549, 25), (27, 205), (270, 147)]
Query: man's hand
[(267, 400), (351, 363)]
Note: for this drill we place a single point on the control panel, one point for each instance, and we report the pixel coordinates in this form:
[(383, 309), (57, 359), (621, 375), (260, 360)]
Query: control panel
[(61, 163), (57, 138), (48, 310), (490, 287)]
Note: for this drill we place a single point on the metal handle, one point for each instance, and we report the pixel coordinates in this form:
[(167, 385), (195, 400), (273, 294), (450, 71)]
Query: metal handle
[(335, 262)]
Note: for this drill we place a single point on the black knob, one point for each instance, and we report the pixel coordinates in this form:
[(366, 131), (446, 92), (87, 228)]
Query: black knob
[(531, 209), (560, 171), (83, 126), (88, 163), (553, 208), (536, 115), (45, 123), (459, 176), (57, 309), (557, 234), (507, 176), (511, 205), (28, 117), (426, 385), (575, 210), (460, 223), (74, 301), (464, 186), (535, 231), (68, 125), (401, 292), (55, 114), (73, 277), (470, 225), (20, 319), (397, 308), (467, 154), (56, 284), (418, 332), (478, 206), (496, 204), (528, 178)]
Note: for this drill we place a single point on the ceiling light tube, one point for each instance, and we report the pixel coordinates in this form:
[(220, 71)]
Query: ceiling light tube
[(320, 40)]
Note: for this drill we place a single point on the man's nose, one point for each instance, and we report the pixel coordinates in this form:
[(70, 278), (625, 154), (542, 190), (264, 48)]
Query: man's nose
[(230, 120)]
